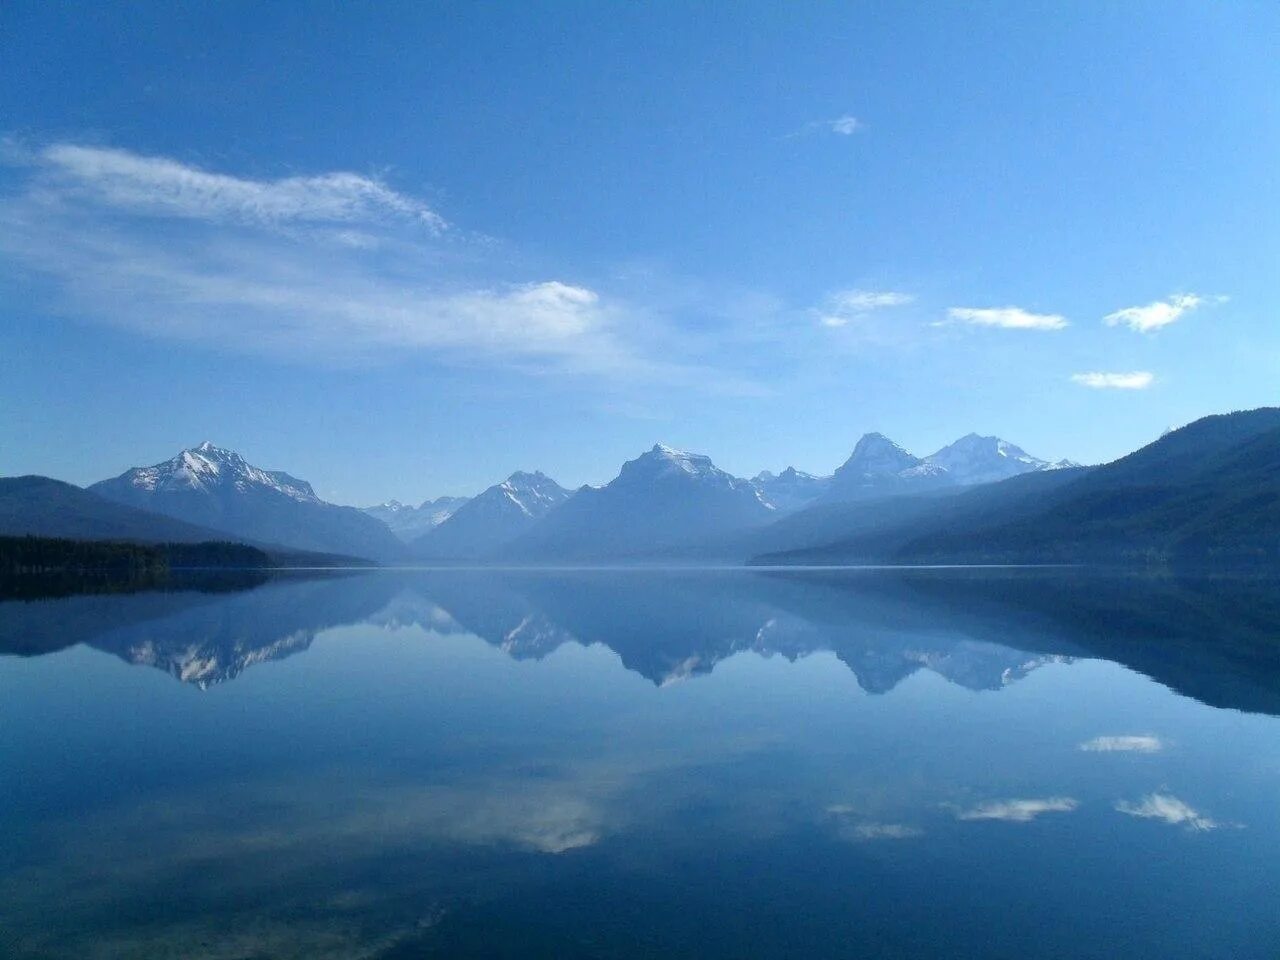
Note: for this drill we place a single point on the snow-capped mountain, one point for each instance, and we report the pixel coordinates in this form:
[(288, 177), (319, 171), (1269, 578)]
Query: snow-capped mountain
[(217, 488), (662, 499), (209, 469), (409, 522), (492, 519), (791, 489), (974, 459), (879, 467)]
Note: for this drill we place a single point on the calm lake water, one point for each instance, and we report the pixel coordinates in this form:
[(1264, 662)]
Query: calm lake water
[(1009, 764)]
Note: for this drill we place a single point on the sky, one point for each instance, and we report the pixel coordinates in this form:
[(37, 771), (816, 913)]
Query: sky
[(402, 250)]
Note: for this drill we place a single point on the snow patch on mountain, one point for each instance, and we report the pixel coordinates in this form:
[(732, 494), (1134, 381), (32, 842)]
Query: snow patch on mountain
[(207, 467), (789, 490), (976, 459), (409, 522)]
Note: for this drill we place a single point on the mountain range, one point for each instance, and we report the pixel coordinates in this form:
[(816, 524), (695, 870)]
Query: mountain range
[(1206, 491), (1209, 491), (409, 522)]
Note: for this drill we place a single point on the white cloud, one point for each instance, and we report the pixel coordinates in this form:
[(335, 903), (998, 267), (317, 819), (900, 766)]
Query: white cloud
[(846, 305), (1161, 313), (1009, 318), (1169, 809), (1133, 380), (164, 187), (1123, 744), (845, 125), (1019, 810), (334, 267)]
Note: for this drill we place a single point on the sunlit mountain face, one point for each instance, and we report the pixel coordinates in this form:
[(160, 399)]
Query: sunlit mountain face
[(576, 763)]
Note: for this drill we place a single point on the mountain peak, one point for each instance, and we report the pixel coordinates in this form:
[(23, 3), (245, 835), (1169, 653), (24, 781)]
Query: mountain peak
[(662, 460), (215, 488), (978, 459), (207, 468), (876, 455), (211, 451)]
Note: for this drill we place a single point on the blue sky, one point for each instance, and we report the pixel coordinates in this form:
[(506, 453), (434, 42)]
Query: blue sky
[(403, 250)]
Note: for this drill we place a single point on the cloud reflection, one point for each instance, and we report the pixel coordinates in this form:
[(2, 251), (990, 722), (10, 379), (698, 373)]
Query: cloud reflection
[(1123, 744)]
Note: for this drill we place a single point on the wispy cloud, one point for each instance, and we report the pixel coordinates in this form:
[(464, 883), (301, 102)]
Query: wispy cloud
[(337, 267), (1168, 809), (864, 830), (870, 830), (847, 305), (1123, 744), (1133, 380), (1018, 810), (1161, 313), (161, 186), (844, 125), (1008, 318)]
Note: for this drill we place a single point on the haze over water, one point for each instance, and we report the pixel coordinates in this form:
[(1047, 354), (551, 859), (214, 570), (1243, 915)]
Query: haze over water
[(636, 764)]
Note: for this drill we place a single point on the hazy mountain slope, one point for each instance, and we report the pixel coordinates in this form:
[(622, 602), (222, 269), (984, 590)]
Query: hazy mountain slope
[(492, 519), (1210, 489), (875, 531), (216, 488), (44, 507), (789, 490)]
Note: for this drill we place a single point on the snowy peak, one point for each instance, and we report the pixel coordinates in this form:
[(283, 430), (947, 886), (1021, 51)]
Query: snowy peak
[(880, 467), (209, 469), (977, 459), (217, 488), (664, 461), (532, 493), (492, 518)]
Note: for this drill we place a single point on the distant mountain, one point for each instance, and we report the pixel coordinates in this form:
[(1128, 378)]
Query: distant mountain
[(974, 459), (1207, 492), (492, 519), (42, 507), (217, 488), (789, 490), (878, 467), (409, 522), (660, 501)]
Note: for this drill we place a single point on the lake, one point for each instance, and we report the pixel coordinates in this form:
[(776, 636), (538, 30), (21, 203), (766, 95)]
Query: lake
[(616, 764)]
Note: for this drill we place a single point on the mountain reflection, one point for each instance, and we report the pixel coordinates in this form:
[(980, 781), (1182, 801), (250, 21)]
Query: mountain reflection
[(980, 629)]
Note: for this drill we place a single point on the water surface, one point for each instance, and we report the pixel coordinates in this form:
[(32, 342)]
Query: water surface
[(644, 764)]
